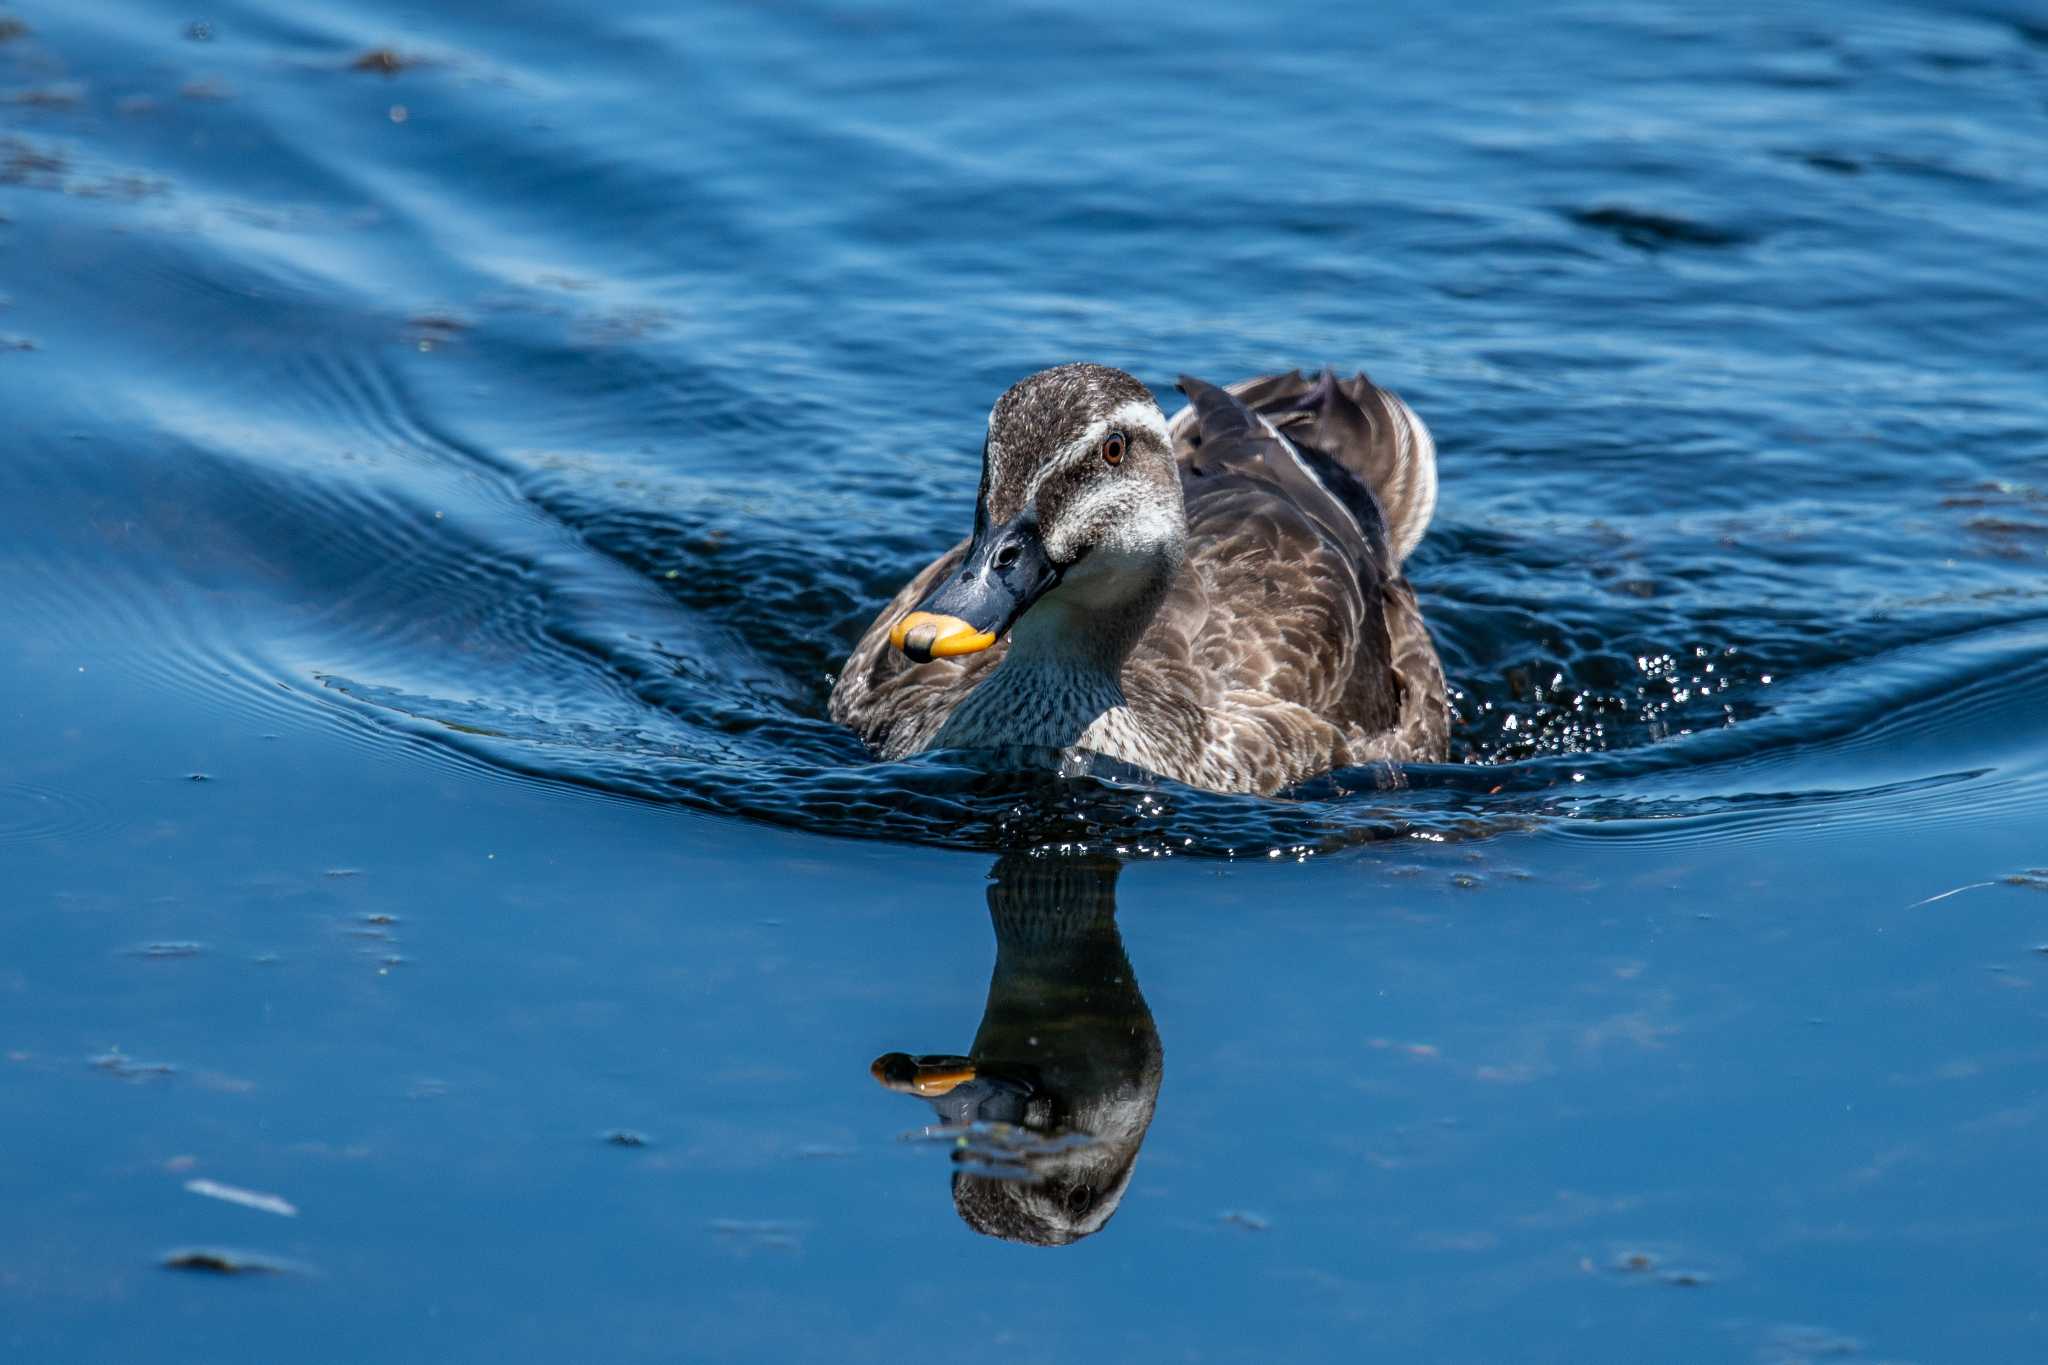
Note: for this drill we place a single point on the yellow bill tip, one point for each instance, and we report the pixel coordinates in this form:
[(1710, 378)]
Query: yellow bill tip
[(925, 635)]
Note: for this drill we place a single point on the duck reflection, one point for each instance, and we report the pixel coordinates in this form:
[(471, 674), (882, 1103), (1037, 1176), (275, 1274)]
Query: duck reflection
[(1047, 1110)]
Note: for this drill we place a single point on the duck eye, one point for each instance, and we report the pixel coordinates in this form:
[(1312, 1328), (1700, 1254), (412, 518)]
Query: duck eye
[(1113, 447)]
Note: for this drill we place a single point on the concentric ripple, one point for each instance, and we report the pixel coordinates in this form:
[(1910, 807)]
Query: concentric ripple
[(29, 812)]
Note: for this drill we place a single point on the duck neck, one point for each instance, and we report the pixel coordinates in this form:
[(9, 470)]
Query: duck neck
[(1063, 671)]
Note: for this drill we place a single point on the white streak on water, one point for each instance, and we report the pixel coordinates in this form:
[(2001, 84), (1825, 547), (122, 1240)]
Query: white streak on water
[(248, 1199)]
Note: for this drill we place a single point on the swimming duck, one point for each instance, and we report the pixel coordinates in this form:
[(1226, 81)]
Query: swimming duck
[(1218, 599)]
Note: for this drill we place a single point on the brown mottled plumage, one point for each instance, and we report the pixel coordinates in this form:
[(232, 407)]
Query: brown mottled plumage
[(1222, 605)]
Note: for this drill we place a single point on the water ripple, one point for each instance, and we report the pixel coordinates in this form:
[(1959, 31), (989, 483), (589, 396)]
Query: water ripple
[(29, 812), (537, 455)]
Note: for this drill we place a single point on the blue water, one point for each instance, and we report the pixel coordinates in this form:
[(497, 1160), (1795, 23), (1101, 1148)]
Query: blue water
[(447, 450)]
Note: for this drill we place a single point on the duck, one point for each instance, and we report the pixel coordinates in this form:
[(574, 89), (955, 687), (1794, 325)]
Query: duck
[(1219, 599), (1051, 1103)]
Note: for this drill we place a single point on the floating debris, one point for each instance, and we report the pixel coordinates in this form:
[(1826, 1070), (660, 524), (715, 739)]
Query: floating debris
[(11, 28), (1239, 1218), (222, 1261), (749, 1234), (169, 949), (1425, 1051), (1795, 1345), (384, 61), (1646, 1264), (62, 95), (118, 1063), (248, 1199), (222, 1083), (626, 1137)]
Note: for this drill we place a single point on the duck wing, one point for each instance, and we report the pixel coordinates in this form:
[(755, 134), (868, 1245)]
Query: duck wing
[(1292, 610), (1365, 429), (1278, 603), (1231, 441)]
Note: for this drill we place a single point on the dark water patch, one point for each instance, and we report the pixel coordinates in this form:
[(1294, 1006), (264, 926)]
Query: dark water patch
[(1835, 163), (1649, 230)]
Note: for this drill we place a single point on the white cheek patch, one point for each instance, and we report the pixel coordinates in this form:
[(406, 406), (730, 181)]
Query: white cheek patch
[(1137, 524)]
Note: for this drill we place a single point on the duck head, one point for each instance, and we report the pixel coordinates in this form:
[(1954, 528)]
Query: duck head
[(1079, 524)]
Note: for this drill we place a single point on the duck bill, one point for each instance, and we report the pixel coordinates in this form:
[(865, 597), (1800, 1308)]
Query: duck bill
[(926, 1077), (1005, 571)]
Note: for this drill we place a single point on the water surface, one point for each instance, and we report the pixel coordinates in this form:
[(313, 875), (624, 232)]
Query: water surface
[(448, 453)]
